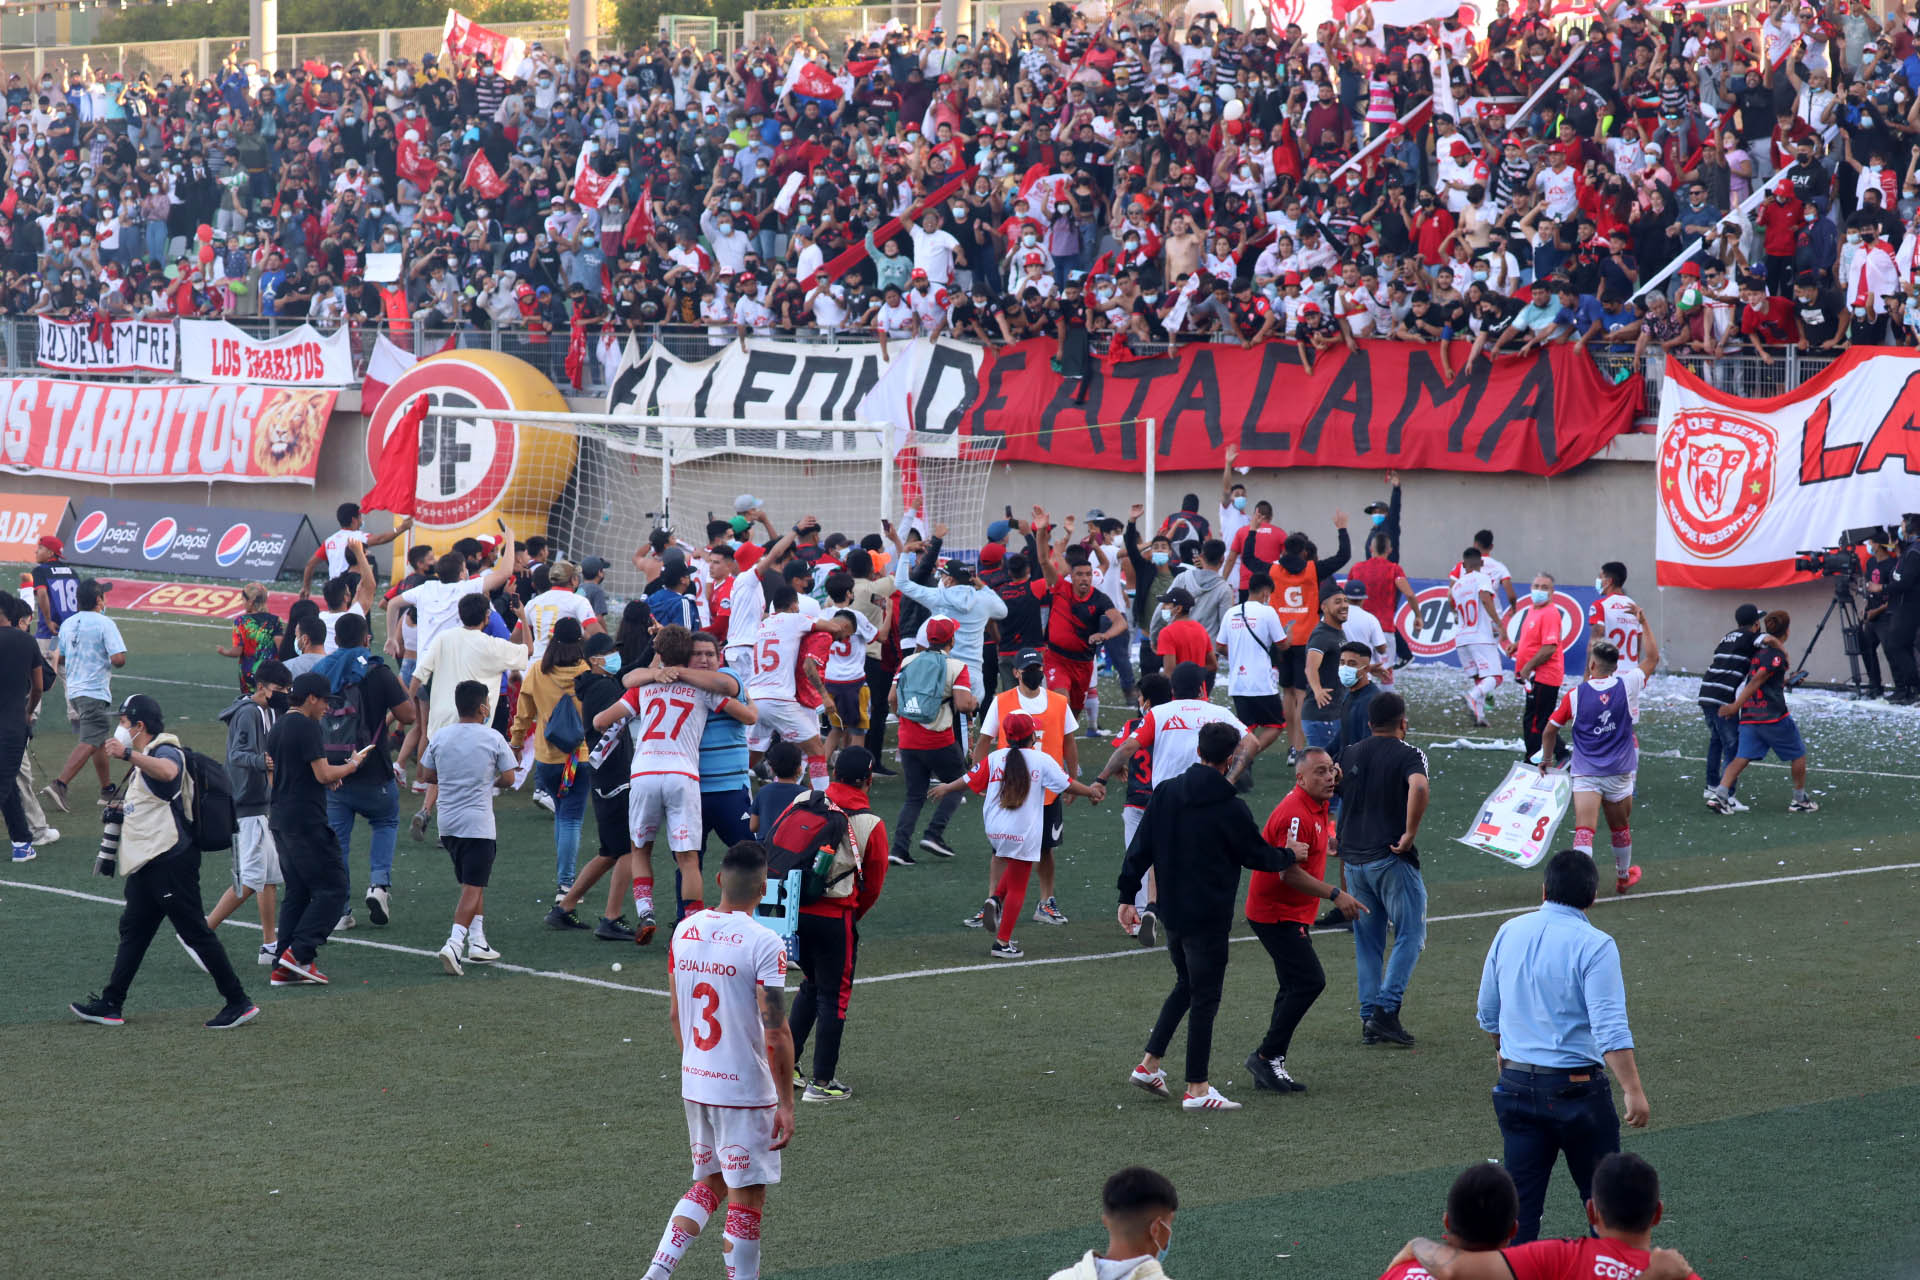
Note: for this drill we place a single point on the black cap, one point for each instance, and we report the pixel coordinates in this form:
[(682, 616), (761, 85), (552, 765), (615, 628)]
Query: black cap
[(853, 765), (593, 567), (1380, 507), (1028, 658), (308, 684), (1746, 615), (144, 708), (959, 570), (1180, 596), (1356, 589)]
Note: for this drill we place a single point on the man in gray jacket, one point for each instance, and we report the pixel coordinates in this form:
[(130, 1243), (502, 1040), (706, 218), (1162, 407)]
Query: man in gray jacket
[(256, 865), (1212, 594)]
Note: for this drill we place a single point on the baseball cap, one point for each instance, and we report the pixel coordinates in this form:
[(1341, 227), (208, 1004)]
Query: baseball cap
[(144, 708), (998, 530), (1180, 596), (1378, 506), (1690, 269), (1018, 726), (1746, 615), (748, 555), (852, 765), (1356, 589), (746, 502), (52, 543), (739, 524), (1028, 658), (593, 566), (940, 631), (959, 570), (308, 684), (993, 555)]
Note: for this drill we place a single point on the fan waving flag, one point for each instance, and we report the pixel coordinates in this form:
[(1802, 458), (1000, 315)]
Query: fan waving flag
[(840, 264), (639, 228), (413, 165), (1040, 189), (397, 478), (483, 177), (591, 187), (808, 79), (576, 363)]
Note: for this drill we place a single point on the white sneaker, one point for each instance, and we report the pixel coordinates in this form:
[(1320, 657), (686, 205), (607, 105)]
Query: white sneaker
[(379, 904), (191, 954), (1154, 1082), (478, 952), (1733, 805), (1706, 793), (269, 952), (1211, 1100), (544, 799), (346, 922), (450, 958), (47, 836)]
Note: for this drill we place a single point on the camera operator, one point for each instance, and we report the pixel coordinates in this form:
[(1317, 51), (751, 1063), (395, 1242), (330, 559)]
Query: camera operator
[(1901, 621), (1882, 556), (161, 865)]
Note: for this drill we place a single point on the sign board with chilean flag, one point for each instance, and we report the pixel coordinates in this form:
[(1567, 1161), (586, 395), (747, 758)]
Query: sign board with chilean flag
[(200, 542)]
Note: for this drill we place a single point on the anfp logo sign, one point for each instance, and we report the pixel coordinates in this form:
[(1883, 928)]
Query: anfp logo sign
[(1429, 623)]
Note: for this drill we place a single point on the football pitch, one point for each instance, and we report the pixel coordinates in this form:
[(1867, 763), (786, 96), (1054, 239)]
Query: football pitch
[(525, 1119)]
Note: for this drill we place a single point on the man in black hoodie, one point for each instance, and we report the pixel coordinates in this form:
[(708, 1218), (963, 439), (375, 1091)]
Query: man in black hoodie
[(1196, 836)]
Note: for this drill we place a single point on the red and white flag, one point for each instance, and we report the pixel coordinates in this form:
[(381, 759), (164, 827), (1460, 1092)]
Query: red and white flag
[(809, 79), (1041, 189), (415, 165), (483, 177), (384, 367), (592, 188), (462, 35)]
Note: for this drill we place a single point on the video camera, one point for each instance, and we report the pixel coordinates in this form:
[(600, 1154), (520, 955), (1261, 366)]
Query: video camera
[(1841, 561)]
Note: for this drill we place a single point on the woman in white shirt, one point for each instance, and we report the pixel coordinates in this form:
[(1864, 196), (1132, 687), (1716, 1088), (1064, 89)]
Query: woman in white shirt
[(1015, 781)]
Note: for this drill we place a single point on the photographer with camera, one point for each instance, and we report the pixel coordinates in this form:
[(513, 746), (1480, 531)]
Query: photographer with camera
[(1883, 557), (1901, 621), (146, 839)]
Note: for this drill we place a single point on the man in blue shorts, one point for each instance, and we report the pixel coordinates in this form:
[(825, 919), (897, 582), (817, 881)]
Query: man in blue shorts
[(1765, 725)]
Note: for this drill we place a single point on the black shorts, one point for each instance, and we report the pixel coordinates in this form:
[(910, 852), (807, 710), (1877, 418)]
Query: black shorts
[(1053, 824), (610, 824), (1292, 668), (472, 859), (1259, 713)]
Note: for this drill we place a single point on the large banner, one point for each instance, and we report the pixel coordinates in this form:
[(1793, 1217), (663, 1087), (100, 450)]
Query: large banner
[(215, 351), (118, 346), (1743, 484), (25, 518), (1385, 404), (161, 433), (198, 541)]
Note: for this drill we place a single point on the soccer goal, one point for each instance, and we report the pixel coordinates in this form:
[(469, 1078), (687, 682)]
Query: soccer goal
[(626, 476)]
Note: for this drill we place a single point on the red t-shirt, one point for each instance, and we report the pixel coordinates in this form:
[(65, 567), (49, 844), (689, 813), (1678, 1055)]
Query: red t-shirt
[(1267, 542), (1270, 900), (1379, 575), (815, 645), (1584, 1259), (1183, 640), (1542, 627), (917, 737), (1406, 1271), (1773, 322), (1072, 622)]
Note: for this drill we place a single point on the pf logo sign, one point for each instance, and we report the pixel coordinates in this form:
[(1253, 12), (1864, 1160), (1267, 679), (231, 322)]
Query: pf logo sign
[(1716, 479), (1429, 623)]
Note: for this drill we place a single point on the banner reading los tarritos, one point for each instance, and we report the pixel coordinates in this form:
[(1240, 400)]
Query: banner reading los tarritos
[(1743, 484), (215, 351), (161, 434), (1384, 405)]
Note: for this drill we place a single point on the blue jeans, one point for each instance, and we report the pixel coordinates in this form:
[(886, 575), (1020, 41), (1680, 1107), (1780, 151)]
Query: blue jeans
[(1723, 743), (1544, 1116), (1119, 651), (1320, 733), (569, 811), (1393, 894), (379, 804)]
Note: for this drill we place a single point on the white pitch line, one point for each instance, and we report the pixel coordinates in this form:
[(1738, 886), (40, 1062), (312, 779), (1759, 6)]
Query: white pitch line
[(189, 684), (1751, 764), (558, 975)]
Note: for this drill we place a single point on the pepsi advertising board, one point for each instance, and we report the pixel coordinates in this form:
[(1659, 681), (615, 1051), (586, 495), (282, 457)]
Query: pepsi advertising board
[(200, 542)]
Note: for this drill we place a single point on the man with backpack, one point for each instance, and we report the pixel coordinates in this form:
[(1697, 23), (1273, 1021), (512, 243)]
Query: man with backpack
[(256, 865), (364, 692), (828, 935), (932, 685), (159, 859)]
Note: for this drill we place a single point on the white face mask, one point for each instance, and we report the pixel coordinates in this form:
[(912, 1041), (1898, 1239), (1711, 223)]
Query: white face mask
[(1541, 595), (124, 736), (1600, 585)]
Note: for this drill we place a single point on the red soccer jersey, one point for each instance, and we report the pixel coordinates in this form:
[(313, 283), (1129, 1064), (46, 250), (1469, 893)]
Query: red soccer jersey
[(815, 645), (1183, 640), (1269, 898), (1267, 542), (1584, 1259), (1379, 576), (1072, 621)]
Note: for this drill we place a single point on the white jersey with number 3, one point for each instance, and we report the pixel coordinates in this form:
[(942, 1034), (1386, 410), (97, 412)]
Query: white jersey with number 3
[(721, 959), (1471, 623), (776, 650), (667, 722), (1613, 614)]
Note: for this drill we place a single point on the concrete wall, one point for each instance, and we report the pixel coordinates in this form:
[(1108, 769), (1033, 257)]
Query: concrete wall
[(1566, 525)]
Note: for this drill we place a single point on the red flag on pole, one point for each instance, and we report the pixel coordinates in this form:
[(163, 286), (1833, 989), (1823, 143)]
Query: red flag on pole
[(840, 264), (397, 477), (577, 354), (483, 177), (639, 228)]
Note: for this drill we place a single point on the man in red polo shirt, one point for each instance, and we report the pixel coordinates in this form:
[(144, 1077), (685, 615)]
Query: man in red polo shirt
[(1256, 546), (1281, 916), (1539, 664), (1624, 1210)]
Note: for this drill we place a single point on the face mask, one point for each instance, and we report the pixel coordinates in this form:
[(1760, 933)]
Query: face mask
[(124, 736), (1033, 677), (1600, 585), (613, 662), (1541, 595), (1379, 517), (1348, 675), (1240, 502), (726, 227), (277, 702), (1160, 557)]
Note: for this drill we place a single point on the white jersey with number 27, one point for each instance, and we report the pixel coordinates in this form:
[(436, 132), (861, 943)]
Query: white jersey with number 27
[(721, 959), (668, 720)]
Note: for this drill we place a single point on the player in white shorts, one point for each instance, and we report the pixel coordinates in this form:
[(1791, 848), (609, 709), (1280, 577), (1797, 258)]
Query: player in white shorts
[(736, 1065), (1015, 780), (776, 664), (670, 704), (1476, 614)]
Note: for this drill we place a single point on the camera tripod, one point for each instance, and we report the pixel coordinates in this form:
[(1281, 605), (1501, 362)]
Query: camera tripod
[(1852, 632)]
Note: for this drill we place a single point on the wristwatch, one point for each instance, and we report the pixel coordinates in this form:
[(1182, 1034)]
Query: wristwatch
[(1333, 893)]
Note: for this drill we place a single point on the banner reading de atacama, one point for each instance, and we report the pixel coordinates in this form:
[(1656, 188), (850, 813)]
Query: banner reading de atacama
[(1743, 484), (161, 434), (215, 351)]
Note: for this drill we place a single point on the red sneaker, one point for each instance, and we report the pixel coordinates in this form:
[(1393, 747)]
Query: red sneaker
[(1623, 883), (308, 972)]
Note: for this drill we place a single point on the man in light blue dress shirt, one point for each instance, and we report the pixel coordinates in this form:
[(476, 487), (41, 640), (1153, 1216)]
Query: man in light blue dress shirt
[(1553, 999)]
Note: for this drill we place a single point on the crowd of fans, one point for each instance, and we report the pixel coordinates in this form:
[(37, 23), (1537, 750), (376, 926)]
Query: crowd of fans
[(1130, 176)]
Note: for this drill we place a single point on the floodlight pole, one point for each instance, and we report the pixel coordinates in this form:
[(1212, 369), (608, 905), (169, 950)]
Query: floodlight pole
[(263, 33)]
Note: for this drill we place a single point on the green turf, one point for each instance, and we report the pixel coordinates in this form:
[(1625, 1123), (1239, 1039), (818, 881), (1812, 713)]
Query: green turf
[(402, 1122)]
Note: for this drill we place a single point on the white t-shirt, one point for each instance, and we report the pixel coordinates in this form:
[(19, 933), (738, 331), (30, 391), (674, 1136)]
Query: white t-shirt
[(1231, 522), (668, 720), (1033, 704), (1364, 627), (549, 607), (436, 606), (746, 605), (933, 253), (1015, 833), (721, 959), (328, 619), (1472, 625), (1247, 631), (1172, 733), (1614, 614), (776, 653), (847, 659), (339, 558)]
